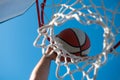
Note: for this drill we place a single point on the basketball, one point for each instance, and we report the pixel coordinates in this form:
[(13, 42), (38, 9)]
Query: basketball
[(74, 41)]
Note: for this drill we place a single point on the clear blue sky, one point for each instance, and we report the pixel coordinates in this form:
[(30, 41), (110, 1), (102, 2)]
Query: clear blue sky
[(18, 56)]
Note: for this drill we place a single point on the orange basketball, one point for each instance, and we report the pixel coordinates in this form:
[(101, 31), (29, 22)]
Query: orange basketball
[(74, 41)]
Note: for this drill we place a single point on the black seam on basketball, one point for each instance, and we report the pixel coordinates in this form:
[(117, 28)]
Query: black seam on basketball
[(76, 37), (67, 42), (85, 49), (85, 43), (78, 42)]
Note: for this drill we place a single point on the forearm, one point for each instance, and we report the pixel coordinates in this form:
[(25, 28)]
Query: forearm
[(41, 70)]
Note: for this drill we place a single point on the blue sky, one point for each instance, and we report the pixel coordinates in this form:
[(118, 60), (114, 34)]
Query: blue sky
[(18, 56)]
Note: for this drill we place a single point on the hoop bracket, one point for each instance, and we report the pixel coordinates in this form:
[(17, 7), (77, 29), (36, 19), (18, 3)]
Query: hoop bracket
[(40, 13)]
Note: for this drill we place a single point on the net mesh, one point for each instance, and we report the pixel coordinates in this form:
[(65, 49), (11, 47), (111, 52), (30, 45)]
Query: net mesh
[(86, 13)]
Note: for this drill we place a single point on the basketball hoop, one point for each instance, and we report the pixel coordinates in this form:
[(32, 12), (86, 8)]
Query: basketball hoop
[(87, 13)]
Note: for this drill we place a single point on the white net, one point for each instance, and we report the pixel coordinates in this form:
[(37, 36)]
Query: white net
[(86, 12)]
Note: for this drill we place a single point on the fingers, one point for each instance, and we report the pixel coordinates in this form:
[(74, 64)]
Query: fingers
[(50, 53)]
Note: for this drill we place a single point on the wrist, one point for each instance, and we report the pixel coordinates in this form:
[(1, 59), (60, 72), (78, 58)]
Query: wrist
[(46, 57)]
